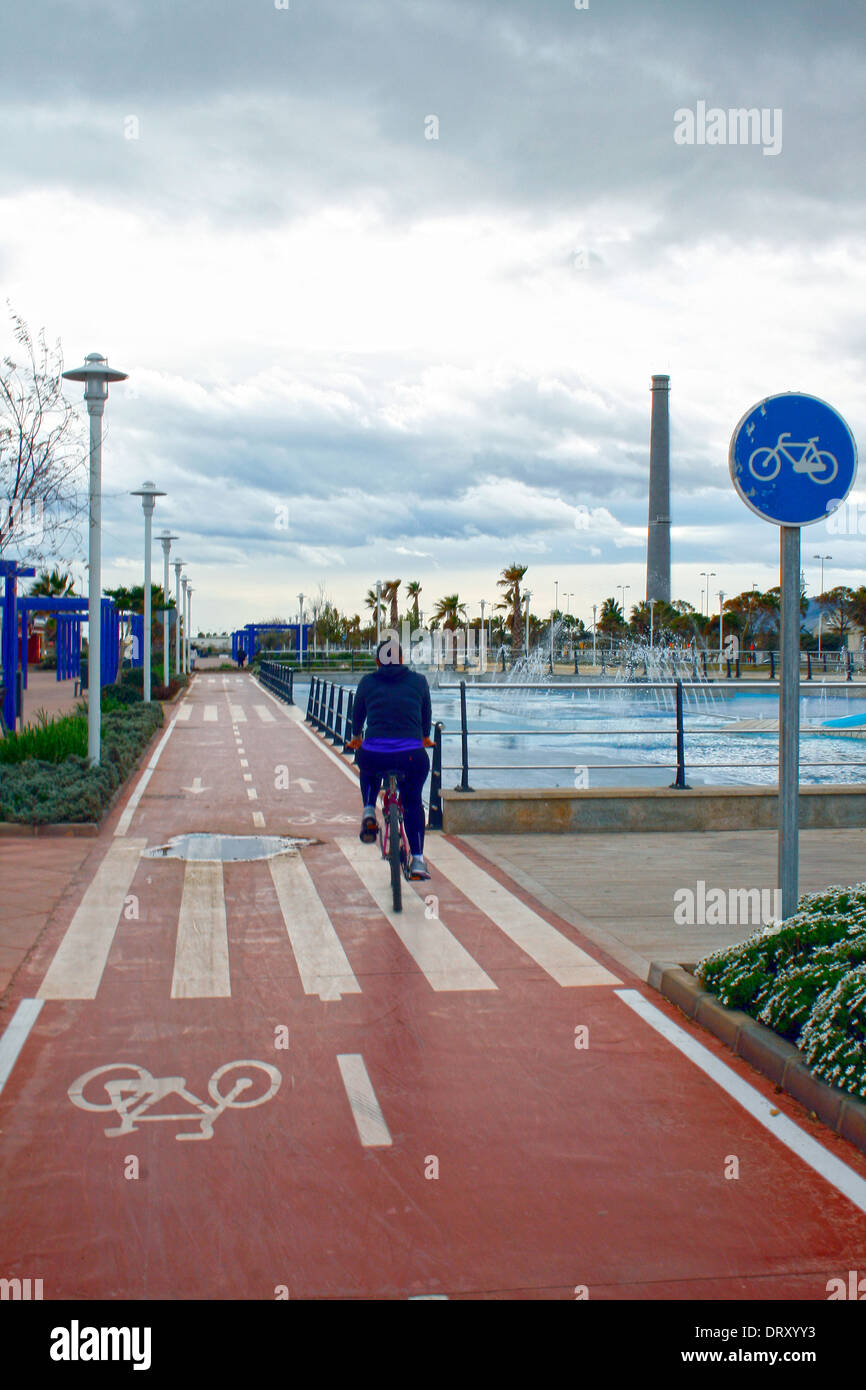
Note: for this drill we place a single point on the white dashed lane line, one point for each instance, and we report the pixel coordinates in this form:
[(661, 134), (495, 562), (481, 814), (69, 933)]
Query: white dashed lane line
[(366, 1111)]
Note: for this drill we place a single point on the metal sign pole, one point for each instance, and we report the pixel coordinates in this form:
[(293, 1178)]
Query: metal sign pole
[(789, 719), (793, 460)]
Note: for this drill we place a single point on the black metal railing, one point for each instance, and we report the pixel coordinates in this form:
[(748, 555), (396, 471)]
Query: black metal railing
[(677, 732), (279, 679), (330, 708)]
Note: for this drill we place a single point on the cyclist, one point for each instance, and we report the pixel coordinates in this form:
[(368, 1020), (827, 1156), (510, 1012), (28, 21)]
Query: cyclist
[(395, 703)]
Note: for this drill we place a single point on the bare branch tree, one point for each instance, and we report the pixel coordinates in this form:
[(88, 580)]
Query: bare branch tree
[(43, 494)]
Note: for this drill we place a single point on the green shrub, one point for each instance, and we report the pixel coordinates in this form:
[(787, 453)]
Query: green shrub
[(743, 975), (788, 1001), (38, 792), (118, 694), (806, 979), (834, 1038), (49, 740)]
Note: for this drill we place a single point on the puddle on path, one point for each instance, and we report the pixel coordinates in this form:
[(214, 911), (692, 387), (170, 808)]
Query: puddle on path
[(204, 848)]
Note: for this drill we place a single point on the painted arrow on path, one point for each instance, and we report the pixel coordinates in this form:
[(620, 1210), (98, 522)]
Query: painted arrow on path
[(304, 783), (196, 787)]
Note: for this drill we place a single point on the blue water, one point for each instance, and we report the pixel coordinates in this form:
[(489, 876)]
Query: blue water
[(594, 730), (565, 732)]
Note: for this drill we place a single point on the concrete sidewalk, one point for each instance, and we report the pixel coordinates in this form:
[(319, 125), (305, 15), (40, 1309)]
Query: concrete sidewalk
[(45, 692), (618, 889)]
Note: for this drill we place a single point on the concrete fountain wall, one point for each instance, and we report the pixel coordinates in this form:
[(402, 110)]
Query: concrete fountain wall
[(565, 811)]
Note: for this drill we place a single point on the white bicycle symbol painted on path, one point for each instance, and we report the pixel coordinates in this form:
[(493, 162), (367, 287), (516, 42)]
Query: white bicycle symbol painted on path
[(131, 1097), (765, 463)]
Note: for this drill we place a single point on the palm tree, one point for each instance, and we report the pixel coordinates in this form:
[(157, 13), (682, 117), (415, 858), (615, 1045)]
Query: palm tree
[(611, 618), (449, 611), (353, 630), (413, 589), (375, 603), (510, 582), (53, 585), (390, 588)]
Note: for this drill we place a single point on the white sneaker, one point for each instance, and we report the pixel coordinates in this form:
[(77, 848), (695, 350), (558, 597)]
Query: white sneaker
[(417, 867)]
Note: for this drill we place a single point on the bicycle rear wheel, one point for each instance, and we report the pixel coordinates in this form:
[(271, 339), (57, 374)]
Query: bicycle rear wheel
[(394, 857)]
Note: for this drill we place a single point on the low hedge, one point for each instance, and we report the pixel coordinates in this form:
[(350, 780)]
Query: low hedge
[(806, 979), (132, 684), (41, 793)]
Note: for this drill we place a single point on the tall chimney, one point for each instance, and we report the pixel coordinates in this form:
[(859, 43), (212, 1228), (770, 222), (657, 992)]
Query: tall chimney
[(658, 545)]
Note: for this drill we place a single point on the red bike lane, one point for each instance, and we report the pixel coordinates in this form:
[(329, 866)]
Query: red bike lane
[(459, 1102)]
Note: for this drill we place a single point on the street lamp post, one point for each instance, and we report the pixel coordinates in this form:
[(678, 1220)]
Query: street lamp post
[(822, 558), (166, 539), (188, 625), (178, 665), (148, 492), (707, 575), (652, 604), (96, 374), (594, 608), (378, 611), (721, 623), (623, 588), (185, 583), (527, 596)]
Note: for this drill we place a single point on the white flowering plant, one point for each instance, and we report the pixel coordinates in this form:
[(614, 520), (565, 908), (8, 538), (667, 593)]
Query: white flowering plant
[(806, 979)]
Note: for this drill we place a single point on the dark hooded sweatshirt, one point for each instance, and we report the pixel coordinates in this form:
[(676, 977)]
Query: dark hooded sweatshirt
[(395, 702)]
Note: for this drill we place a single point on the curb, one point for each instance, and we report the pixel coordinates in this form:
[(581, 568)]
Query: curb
[(11, 829), (780, 1061)]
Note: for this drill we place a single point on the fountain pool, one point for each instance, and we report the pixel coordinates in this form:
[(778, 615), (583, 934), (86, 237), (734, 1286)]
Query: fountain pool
[(729, 736)]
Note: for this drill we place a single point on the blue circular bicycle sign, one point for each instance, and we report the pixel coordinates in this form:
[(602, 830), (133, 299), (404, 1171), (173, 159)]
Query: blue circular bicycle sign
[(793, 459)]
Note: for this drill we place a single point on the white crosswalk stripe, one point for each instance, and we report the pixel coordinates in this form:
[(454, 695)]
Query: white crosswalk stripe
[(201, 962), (211, 714), (440, 957), (77, 968), (563, 961), (322, 963), (201, 968), (264, 714), (238, 714), (184, 711)]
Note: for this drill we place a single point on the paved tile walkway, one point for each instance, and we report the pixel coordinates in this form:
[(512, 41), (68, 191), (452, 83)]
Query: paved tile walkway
[(619, 889)]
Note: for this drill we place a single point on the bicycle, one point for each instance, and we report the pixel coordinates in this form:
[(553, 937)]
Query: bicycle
[(393, 841), (765, 463)]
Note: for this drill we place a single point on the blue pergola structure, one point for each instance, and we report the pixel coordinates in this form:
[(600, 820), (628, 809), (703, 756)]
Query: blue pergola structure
[(246, 639), (70, 612), (136, 632), (11, 572), (68, 646)]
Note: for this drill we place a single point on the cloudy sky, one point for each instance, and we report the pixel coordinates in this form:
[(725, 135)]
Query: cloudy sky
[(397, 273)]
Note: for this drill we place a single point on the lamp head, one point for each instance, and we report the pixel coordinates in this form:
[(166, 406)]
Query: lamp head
[(96, 375), (148, 492)]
